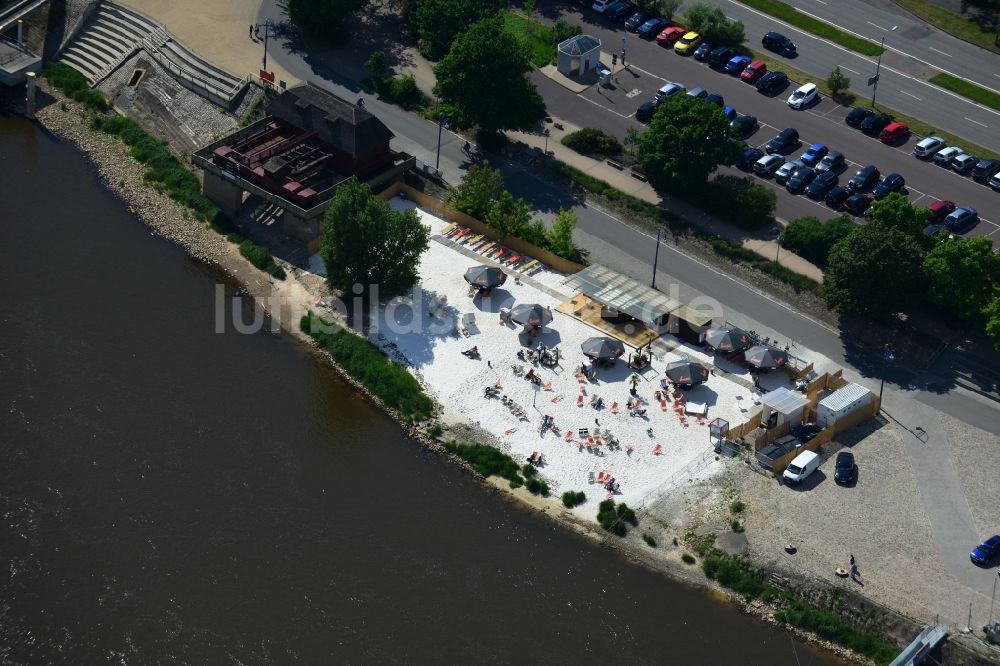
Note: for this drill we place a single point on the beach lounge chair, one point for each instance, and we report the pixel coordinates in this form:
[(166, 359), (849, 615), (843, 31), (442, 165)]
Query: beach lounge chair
[(448, 228), (569, 436), (579, 400), (657, 450), (487, 247), (514, 258), (454, 230), (600, 477), (462, 233), (468, 322), (472, 240), (614, 408), (528, 266)]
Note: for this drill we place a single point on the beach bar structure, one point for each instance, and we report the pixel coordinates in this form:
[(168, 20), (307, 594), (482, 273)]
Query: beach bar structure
[(308, 143), (782, 406), (842, 403)]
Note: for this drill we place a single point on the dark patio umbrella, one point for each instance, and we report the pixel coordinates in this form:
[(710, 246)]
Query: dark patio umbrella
[(727, 339), (766, 358), (687, 373), (531, 315), (485, 277), (602, 348)]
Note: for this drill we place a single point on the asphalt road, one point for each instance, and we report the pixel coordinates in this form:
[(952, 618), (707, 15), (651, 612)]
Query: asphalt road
[(651, 65)]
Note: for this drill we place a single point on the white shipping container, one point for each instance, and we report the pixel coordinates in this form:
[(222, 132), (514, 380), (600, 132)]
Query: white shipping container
[(841, 403)]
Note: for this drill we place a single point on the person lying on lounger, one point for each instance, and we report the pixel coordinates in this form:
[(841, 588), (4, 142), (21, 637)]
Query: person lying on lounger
[(471, 353)]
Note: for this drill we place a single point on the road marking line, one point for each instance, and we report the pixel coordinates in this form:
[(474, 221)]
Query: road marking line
[(911, 95), (975, 121), (822, 2), (876, 25), (939, 51), (604, 107), (850, 70)]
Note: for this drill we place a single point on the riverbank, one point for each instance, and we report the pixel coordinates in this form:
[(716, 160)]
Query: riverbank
[(294, 296)]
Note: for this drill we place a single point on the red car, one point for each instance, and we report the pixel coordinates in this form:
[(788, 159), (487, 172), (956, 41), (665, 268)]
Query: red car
[(670, 35), (754, 71), (939, 210), (894, 132)]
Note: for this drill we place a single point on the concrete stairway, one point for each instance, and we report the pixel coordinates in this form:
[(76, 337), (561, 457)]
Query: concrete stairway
[(114, 32)]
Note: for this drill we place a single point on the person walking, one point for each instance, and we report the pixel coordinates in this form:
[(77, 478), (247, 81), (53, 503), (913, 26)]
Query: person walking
[(852, 560), (251, 31)]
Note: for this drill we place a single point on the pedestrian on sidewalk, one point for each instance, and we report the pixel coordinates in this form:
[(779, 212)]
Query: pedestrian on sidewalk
[(852, 560), (251, 31)]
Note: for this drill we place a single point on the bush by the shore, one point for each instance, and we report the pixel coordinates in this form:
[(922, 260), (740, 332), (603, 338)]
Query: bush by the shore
[(573, 498), (261, 258), (614, 518), (75, 85), (365, 362), (488, 461)]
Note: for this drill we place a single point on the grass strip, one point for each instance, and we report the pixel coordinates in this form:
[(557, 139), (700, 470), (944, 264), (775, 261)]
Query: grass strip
[(967, 89), (533, 36), (952, 23), (366, 363), (816, 26), (75, 85)]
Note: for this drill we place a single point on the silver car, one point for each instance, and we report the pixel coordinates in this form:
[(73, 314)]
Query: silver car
[(767, 165), (786, 171), (944, 156), (927, 147), (964, 163)]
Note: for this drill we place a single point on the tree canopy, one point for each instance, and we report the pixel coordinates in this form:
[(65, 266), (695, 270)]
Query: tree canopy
[(711, 23), (812, 239), (366, 242), (962, 274), (876, 270), (482, 81), (686, 141), (992, 314), (896, 211), (323, 20), (440, 21)]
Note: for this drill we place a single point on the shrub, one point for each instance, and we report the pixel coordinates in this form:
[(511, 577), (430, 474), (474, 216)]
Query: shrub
[(572, 498), (529, 471), (687, 558), (737, 527), (812, 239), (75, 85), (261, 258), (401, 90), (435, 430), (366, 363), (650, 541), (561, 31), (737, 199), (829, 626), (614, 519), (590, 141), (234, 238), (537, 487), (737, 506)]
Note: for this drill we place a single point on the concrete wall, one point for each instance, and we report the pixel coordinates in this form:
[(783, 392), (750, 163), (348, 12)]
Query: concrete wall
[(225, 194)]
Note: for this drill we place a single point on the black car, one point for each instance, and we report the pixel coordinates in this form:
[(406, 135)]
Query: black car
[(749, 156), (986, 168), (652, 27), (645, 112), (775, 41), (633, 22), (619, 10), (716, 99), (844, 470), (744, 126), (719, 56), (857, 116), (864, 179), (822, 183), (836, 197), (892, 183), (703, 51), (772, 82), (857, 204), (787, 139), (875, 124), (805, 431), (800, 179)]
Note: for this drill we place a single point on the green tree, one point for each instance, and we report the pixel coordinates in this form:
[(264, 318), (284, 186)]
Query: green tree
[(377, 63), (812, 239), (439, 22), (896, 211), (480, 187), (667, 7), (874, 271), (560, 238), (992, 314), (323, 20), (962, 274), (366, 242), (686, 141), (837, 82), (477, 88), (711, 23)]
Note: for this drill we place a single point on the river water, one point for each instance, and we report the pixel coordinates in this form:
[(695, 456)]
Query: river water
[(169, 494)]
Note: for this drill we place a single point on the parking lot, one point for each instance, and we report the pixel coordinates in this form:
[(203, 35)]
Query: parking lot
[(650, 66)]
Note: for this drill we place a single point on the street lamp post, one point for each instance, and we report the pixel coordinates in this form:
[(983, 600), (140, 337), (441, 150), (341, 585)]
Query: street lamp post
[(888, 354), (873, 82), (546, 133), (268, 26), (661, 235), (442, 123)]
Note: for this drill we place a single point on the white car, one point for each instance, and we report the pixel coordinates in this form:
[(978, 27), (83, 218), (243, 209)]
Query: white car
[(768, 164), (927, 147), (669, 90), (786, 170), (803, 96), (944, 156), (601, 5)]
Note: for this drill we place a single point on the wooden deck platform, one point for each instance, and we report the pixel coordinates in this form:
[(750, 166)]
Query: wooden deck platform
[(634, 333)]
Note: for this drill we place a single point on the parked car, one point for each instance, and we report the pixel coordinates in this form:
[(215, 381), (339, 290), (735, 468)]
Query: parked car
[(894, 131), (633, 22), (986, 551), (737, 64), (864, 179), (716, 99), (995, 181), (821, 184), (805, 431), (964, 163), (748, 160), (786, 170), (836, 197), (858, 204), (784, 141), (730, 113), (775, 41), (984, 169), (814, 154), (800, 179), (801, 467), (767, 165), (927, 147), (669, 90), (703, 51), (892, 183), (719, 56), (944, 156), (875, 124), (961, 220), (834, 162), (645, 112), (601, 5), (939, 210), (619, 10), (744, 126), (670, 35), (753, 71), (803, 96), (697, 93), (772, 82), (652, 27), (844, 470), (857, 116), (688, 43)]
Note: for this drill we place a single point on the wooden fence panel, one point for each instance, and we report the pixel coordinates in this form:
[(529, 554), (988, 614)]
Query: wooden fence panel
[(804, 371)]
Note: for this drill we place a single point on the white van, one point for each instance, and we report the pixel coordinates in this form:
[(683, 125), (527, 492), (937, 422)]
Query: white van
[(804, 464)]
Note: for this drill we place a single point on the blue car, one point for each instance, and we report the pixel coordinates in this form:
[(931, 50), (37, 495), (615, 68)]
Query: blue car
[(814, 154), (730, 112), (749, 156), (653, 27), (986, 551), (737, 64)]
